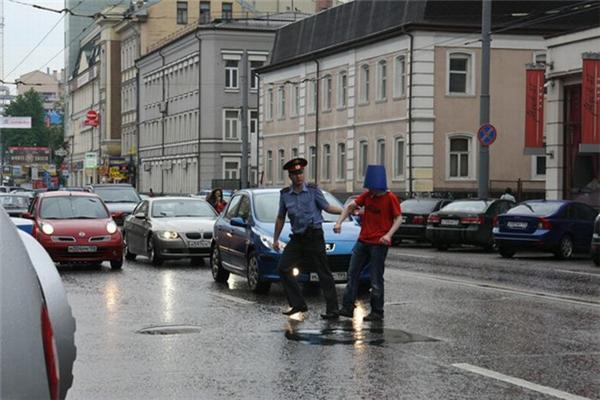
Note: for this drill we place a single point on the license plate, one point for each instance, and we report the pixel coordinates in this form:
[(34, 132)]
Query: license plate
[(195, 244), (337, 276), (450, 222), (517, 225), (82, 249)]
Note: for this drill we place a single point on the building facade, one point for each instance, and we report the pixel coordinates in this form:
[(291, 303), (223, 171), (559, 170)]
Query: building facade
[(50, 86)]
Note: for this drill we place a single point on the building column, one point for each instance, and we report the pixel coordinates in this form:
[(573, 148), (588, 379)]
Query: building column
[(554, 140)]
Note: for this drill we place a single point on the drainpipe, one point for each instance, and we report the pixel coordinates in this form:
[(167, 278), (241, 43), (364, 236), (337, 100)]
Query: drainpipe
[(409, 133), (137, 128), (317, 107), (162, 121), (199, 109), (258, 180)]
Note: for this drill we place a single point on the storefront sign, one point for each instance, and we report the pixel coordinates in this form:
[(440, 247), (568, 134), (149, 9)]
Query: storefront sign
[(590, 99), (534, 111), (15, 122), (26, 155), (91, 160)]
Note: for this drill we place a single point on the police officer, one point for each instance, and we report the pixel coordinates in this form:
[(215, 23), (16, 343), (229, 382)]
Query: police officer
[(303, 204)]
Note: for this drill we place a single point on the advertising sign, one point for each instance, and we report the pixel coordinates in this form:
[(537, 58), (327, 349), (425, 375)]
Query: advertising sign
[(15, 122), (534, 111), (91, 160), (23, 155), (590, 110)]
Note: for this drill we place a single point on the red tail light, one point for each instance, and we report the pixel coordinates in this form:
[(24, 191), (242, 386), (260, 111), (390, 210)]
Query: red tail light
[(471, 220), (51, 354), (419, 220), (543, 223), (433, 219)]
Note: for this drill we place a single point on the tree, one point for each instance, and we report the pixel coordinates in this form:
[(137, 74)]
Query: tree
[(30, 105)]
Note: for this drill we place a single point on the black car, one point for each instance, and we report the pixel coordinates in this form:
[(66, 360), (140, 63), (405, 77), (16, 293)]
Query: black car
[(414, 218), (596, 242), (467, 221), (120, 199)]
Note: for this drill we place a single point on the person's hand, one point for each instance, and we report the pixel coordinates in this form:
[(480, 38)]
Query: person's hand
[(385, 239), (337, 228), (276, 245)]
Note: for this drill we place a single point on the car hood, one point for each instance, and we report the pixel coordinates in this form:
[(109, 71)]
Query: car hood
[(183, 224), (350, 231), (121, 207), (72, 227)]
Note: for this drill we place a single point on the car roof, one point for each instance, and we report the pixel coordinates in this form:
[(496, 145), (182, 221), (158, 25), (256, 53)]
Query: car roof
[(16, 194), (66, 194), (111, 185), (153, 199)]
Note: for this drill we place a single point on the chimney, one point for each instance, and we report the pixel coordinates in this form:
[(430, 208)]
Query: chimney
[(321, 5), (47, 70), (55, 74)]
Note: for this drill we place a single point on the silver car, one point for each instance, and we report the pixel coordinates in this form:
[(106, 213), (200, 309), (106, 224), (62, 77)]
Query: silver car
[(170, 228)]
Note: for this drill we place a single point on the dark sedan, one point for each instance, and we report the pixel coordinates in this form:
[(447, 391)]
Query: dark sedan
[(465, 222), (414, 218), (561, 227), (120, 198), (596, 242)]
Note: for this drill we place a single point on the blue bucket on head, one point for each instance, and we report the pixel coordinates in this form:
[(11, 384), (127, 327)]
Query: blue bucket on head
[(375, 178)]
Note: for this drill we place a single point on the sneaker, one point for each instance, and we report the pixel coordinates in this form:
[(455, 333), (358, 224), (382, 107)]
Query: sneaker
[(346, 312), (295, 310), (373, 316)]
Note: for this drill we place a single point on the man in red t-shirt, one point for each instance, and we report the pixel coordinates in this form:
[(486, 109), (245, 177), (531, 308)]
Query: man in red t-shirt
[(380, 220)]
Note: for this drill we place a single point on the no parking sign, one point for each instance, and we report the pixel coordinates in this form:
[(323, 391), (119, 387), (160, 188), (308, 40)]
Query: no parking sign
[(487, 134)]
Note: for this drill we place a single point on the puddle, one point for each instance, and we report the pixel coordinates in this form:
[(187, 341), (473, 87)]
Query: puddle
[(170, 330), (349, 336)]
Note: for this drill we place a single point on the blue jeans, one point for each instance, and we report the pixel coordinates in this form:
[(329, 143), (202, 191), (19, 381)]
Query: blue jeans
[(365, 254)]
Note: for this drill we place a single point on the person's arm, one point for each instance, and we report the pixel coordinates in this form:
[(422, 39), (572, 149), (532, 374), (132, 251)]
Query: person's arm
[(333, 209), (279, 222), (387, 238), (345, 213)]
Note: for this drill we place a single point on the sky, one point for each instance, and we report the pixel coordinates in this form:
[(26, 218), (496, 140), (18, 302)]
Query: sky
[(24, 27)]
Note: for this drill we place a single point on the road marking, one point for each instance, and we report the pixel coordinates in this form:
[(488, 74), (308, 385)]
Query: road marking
[(232, 298), (485, 285), (413, 255), (519, 382), (579, 273)]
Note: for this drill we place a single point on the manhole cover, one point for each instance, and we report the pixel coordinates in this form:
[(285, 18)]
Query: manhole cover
[(344, 335), (170, 330)]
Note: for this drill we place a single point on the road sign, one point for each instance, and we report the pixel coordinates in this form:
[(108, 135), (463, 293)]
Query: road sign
[(61, 152), (487, 134), (92, 118), (91, 160), (91, 115), (15, 122)]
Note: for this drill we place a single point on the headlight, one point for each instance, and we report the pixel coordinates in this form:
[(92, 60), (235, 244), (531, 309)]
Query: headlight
[(168, 235), (47, 228), (267, 241), (111, 227)]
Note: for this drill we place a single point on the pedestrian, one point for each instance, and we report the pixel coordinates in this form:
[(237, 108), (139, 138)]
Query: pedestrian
[(151, 193), (215, 198), (380, 220), (508, 195), (303, 204)]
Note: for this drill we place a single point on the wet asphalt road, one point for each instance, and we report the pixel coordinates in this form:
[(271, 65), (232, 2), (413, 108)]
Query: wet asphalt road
[(459, 325)]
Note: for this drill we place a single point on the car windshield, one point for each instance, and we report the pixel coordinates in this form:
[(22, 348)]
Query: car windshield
[(472, 206), (418, 206), (266, 206), (182, 208), (535, 208), (14, 202), (71, 207), (117, 194)]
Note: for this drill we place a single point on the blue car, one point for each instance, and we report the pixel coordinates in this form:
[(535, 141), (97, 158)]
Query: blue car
[(243, 240), (561, 227)]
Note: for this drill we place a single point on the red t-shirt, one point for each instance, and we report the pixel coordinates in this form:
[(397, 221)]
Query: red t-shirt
[(379, 215)]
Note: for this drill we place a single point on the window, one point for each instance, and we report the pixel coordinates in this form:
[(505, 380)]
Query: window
[(227, 11), (231, 169), (254, 80), (365, 83), (399, 76), (295, 100), (281, 109), (269, 166), (381, 80), (281, 156), (459, 157), (313, 92), (342, 92), (269, 110), (459, 73), (363, 149), (539, 58), (326, 162), (253, 123), (327, 83), (341, 161), (539, 167), (399, 158), (312, 162), (231, 74), (231, 124), (182, 12), (294, 152), (232, 207), (205, 12), (381, 152)]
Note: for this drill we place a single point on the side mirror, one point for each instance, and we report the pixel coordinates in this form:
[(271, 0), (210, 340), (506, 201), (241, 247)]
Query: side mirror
[(27, 215), (237, 221), (140, 215)]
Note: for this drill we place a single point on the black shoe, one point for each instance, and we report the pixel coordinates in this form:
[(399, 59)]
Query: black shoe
[(346, 312), (373, 316), (295, 310), (330, 315)]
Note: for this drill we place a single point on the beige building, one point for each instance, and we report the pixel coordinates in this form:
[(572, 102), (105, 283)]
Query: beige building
[(48, 84), (383, 82)]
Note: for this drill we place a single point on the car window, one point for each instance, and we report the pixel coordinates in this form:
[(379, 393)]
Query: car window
[(112, 194), (182, 208), (72, 208), (474, 206), (535, 208), (503, 207), (244, 209), (9, 202), (232, 207), (418, 206), (143, 208)]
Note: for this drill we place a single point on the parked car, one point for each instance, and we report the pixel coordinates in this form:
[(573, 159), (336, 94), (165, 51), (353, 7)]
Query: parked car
[(561, 227), (37, 328), (76, 227), (596, 242), (14, 204), (243, 240), (414, 218), (120, 198), (170, 228), (468, 221)]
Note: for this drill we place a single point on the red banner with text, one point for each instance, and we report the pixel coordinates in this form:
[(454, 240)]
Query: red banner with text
[(590, 110), (534, 111)]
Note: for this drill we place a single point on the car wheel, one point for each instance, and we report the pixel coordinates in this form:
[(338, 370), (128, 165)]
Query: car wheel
[(152, 255), (253, 276), (505, 252), (128, 254), (116, 264), (565, 248), (218, 272), (596, 257)]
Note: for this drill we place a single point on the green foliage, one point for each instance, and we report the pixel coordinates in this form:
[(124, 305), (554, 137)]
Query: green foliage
[(30, 105)]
